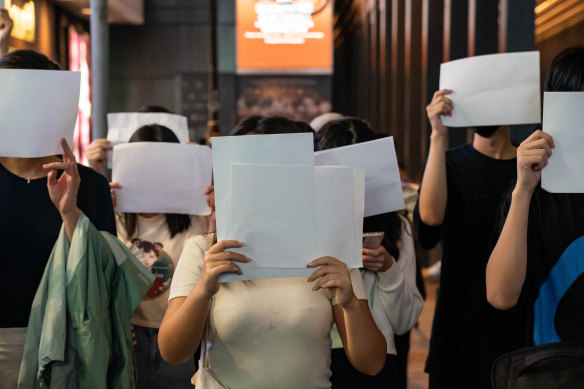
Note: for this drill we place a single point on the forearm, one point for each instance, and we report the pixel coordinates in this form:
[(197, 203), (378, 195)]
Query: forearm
[(182, 328), (70, 221), (363, 342), (433, 193), (507, 265)]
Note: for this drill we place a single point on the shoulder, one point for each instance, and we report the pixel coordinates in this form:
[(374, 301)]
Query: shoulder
[(88, 175)]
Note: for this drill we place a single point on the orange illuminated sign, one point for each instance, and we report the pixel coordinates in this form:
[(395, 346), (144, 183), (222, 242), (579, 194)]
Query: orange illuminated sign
[(284, 35)]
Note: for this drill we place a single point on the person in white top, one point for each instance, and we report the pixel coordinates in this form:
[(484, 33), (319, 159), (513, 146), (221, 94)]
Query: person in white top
[(268, 333), (157, 240), (389, 274)]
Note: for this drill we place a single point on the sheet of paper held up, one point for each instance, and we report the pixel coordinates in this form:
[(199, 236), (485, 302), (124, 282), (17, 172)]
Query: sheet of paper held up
[(290, 215), (383, 190), (562, 119), (37, 109), (495, 89), (121, 126), (280, 149), (162, 177)]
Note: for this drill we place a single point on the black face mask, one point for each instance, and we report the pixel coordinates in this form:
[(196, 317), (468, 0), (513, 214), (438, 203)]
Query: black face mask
[(485, 131)]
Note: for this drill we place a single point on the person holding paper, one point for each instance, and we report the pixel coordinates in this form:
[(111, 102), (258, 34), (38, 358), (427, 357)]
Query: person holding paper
[(389, 275), (538, 262), (97, 150), (266, 333), (6, 25), (459, 195), (157, 240), (30, 225)]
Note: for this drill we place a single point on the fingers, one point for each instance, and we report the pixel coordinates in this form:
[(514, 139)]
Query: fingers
[(68, 155), (209, 190), (540, 144), (224, 245), (534, 162), (324, 271), (228, 267), (52, 177), (539, 134), (323, 261), (441, 92), (115, 185), (229, 256), (58, 165), (373, 252)]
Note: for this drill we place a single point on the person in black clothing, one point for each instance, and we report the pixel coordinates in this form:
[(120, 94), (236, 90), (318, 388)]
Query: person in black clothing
[(538, 261), (30, 224), (460, 191)]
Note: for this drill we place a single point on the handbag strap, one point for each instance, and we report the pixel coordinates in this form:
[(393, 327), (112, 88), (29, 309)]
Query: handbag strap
[(204, 341)]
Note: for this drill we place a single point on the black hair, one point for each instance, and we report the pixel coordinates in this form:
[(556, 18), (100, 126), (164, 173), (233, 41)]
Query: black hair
[(176, 223), (303, 127), (246, 126), (27, 59), (264, 125), (566, 73), (154, 133), (347, 131), (153, 108)]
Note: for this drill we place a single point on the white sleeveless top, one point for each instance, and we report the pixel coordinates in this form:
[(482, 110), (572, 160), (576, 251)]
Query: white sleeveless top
[(270, 333)]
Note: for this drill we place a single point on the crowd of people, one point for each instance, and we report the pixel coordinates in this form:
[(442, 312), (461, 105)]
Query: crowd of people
[(502, 239)]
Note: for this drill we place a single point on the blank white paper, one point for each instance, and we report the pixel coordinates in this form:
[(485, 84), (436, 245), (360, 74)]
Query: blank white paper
[(563, 118), (122, 125), (162, 177), (280, 149), (330, 224), (37, 109), (383, 189), (495, 89), (273, 211)]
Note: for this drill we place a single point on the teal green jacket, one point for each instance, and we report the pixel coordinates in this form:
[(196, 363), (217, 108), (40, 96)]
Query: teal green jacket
[(78, 332)]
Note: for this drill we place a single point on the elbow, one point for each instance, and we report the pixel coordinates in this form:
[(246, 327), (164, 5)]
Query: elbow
[(167, 352), (375, 367), (172, 359), (501, 301), (431, 217)]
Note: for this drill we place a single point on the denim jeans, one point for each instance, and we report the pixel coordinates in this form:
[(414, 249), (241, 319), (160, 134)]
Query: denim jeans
[(152, 371)]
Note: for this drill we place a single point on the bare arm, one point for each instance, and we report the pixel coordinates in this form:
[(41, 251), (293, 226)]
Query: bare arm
[(182, 327), (6, 25), (63, 191), (433, 194), (507, 266), (364, 344)]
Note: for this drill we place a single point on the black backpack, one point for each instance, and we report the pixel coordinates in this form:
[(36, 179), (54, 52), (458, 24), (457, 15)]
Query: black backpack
[(549, 366)]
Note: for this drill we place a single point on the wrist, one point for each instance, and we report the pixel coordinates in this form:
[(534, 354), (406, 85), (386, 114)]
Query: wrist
[(352, 304), (438, 139), (68, 214), (521, 193), (201, 292)]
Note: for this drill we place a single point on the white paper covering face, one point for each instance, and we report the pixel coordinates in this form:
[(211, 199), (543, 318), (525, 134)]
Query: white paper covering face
[(496, 89), (280, 149), (162, 177), (383, 189), (37, 109), (122, 125), (563, 119), (329, 222)]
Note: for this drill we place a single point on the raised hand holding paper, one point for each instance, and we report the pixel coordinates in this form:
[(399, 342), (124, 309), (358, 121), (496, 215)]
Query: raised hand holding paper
[(37, 109), (383, 190), (159, 177), (563, 119), (496, 89)]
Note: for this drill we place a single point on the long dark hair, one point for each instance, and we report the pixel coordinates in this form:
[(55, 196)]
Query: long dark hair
[(347, 131), (176, 223)]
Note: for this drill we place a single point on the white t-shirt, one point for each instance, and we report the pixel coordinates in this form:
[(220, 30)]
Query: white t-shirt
[(270, 333), (153, 246), (394, 298)]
